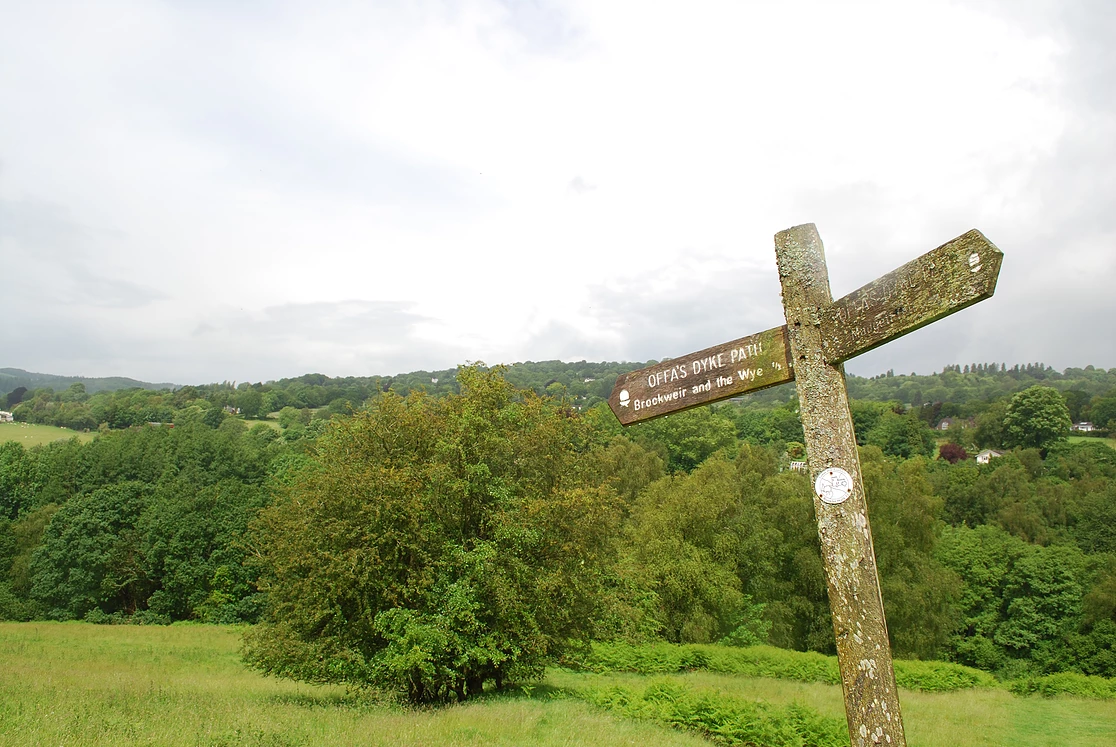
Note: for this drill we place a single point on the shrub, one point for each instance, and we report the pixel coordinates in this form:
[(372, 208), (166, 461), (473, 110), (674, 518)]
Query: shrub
[(952, 453), (940, 676), (767, 661), (756, 661), (1066, 683), (722, 719), (434, 545), (14, 608)]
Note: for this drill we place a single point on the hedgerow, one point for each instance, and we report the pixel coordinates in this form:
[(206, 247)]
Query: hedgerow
[(766, 661), (1066, 683)]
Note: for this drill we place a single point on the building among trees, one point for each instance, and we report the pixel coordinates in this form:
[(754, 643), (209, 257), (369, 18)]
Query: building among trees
[(988, 455)]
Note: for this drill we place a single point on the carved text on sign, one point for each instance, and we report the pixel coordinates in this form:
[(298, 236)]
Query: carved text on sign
[(745, 365)]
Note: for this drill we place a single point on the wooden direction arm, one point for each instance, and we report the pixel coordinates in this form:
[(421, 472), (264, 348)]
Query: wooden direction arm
[(955, 275), (727, 370)]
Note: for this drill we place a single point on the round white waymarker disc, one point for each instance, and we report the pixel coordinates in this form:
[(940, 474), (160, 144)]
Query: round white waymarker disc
[(833, 485)]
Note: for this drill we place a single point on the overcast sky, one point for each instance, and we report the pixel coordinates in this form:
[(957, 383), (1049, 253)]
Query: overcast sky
[(200, 191)]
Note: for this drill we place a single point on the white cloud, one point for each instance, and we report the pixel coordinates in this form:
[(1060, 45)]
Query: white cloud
[(504, 181)]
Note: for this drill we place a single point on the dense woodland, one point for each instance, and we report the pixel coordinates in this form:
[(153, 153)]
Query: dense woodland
[(183, 508)]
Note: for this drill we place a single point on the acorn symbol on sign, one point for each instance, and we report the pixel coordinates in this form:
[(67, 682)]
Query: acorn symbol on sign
[(624, 398)]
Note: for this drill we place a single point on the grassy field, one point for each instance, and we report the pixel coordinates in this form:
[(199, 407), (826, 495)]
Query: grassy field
[(1080, 439), (34, 435), (269, 423), (80, 684), (984, 717)]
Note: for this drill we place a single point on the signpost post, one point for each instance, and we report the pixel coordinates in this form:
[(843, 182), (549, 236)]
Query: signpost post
[(820, 334)]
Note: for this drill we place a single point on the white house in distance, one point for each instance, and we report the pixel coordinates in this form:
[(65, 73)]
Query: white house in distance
[(6, 417), (1084, 427), (988, 455)]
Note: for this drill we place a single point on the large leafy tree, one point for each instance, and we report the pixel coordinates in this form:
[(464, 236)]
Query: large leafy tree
[(780, 559), (91, 555), (15, 474), (1036, 418), (901, 435), (919, 592), (682, 536), (687, 438), (434, 545), (193, 550), (1020, 603), (1103, 412)]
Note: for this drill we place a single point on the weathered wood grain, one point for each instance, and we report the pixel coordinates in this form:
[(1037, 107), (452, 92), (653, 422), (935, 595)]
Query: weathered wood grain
[(727, 370), (863, 649), (945, 280)]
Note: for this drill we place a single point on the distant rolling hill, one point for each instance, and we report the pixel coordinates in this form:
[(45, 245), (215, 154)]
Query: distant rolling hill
[(12, 378)]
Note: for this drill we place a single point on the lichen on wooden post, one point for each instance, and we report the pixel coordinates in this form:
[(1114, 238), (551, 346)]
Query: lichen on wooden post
[(819, 335), (863, 651)]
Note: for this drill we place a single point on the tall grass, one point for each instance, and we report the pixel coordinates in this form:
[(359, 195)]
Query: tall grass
[(81, 684), (970, 718)]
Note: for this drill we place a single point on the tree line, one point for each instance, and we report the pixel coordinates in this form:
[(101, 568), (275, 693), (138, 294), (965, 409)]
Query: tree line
[(965, 392), (438, 541)]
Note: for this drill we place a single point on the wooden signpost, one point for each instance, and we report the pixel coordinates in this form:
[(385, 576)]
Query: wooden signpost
[(819, 335)]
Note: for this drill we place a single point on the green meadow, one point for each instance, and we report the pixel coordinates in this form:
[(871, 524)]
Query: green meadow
[(1111, 442), (35, 435), (82, 684), (270, 423)]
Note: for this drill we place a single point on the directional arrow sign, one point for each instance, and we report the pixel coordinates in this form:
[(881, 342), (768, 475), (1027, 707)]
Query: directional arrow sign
[(744, 365), (937, 284), (953, 276)]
